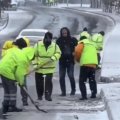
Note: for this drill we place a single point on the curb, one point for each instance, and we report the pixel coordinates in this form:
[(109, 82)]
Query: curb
[(106, 102), (97, 13), (6, 23), (110, 79)]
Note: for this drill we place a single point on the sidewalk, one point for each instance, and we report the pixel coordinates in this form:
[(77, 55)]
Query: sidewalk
[(111, 96), (3, 20)]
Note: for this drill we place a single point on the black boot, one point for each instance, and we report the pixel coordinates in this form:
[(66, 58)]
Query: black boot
[(3, 112), (83, 98), (93, 96), (72, 92), (5, 109), (25, 103), (48, 96), (63, 94), (14, 109), (40, 98)]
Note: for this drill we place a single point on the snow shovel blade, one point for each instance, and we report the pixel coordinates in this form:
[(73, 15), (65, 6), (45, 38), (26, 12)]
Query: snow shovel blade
[(40, 109), (37, 107)]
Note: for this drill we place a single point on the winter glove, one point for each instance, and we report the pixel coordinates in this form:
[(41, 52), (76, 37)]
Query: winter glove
[(20, 85), (100, 49)]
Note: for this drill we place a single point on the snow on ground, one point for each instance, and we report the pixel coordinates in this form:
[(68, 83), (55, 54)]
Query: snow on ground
[(63, 108), (72, 5), (112, 100), (59, 116)]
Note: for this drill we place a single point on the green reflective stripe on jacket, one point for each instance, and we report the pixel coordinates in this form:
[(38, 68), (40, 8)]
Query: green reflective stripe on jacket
[(47, 67), (12, 65), (43, 56), (89, 54)]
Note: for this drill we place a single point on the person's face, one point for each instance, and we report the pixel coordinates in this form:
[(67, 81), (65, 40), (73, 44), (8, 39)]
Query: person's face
[(64, 33), (47, 40)]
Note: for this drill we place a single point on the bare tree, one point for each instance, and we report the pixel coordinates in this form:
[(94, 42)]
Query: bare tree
[(95, 3), (6, 3), (0, 8), (107, 5), (118, 6)]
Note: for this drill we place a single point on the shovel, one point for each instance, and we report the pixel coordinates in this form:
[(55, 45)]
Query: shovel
[(33, 102)]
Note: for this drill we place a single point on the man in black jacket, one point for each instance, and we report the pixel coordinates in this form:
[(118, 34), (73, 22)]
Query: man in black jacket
[(66, 62)]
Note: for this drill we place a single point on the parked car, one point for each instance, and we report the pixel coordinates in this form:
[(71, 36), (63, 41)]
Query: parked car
[(33, 34), (21, 2), (13, 5)]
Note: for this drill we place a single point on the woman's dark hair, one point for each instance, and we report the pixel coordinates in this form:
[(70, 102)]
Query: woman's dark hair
[(48, 34), (102, 33), (20, 42), (64, 28), (85, 29)]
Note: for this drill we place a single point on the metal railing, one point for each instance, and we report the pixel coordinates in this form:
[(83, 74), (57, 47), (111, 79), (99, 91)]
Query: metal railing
[(4, 20)]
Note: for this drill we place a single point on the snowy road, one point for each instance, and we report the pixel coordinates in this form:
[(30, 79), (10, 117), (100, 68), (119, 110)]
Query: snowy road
[(53, 19), (59, 116)]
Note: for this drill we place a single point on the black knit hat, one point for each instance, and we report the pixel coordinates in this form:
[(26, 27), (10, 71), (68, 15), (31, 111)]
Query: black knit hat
[(85, 29), (20, 42), (102, 33), (83, 37)]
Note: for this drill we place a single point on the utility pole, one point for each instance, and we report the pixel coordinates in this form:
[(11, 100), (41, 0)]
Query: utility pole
[(81, 3), (0, 8), (67, 2)]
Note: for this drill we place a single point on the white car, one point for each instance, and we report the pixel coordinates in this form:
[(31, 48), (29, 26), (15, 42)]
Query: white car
[(14, 4), (33, 34), (21, 2)]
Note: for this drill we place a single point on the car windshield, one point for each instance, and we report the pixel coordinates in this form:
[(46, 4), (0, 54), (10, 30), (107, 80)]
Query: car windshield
[(32, 33)]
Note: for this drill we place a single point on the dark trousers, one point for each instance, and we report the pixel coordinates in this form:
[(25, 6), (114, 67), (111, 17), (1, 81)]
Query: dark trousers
[(69, 68), (23, 93), (99, 58), (39, 79), (10, 91), (87, 72)]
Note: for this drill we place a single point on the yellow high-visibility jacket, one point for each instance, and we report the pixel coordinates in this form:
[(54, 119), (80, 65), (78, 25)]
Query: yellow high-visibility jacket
[(29, 52), (97, 39), (12, 65), (7, 45), (86, 34), (49, 56)]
